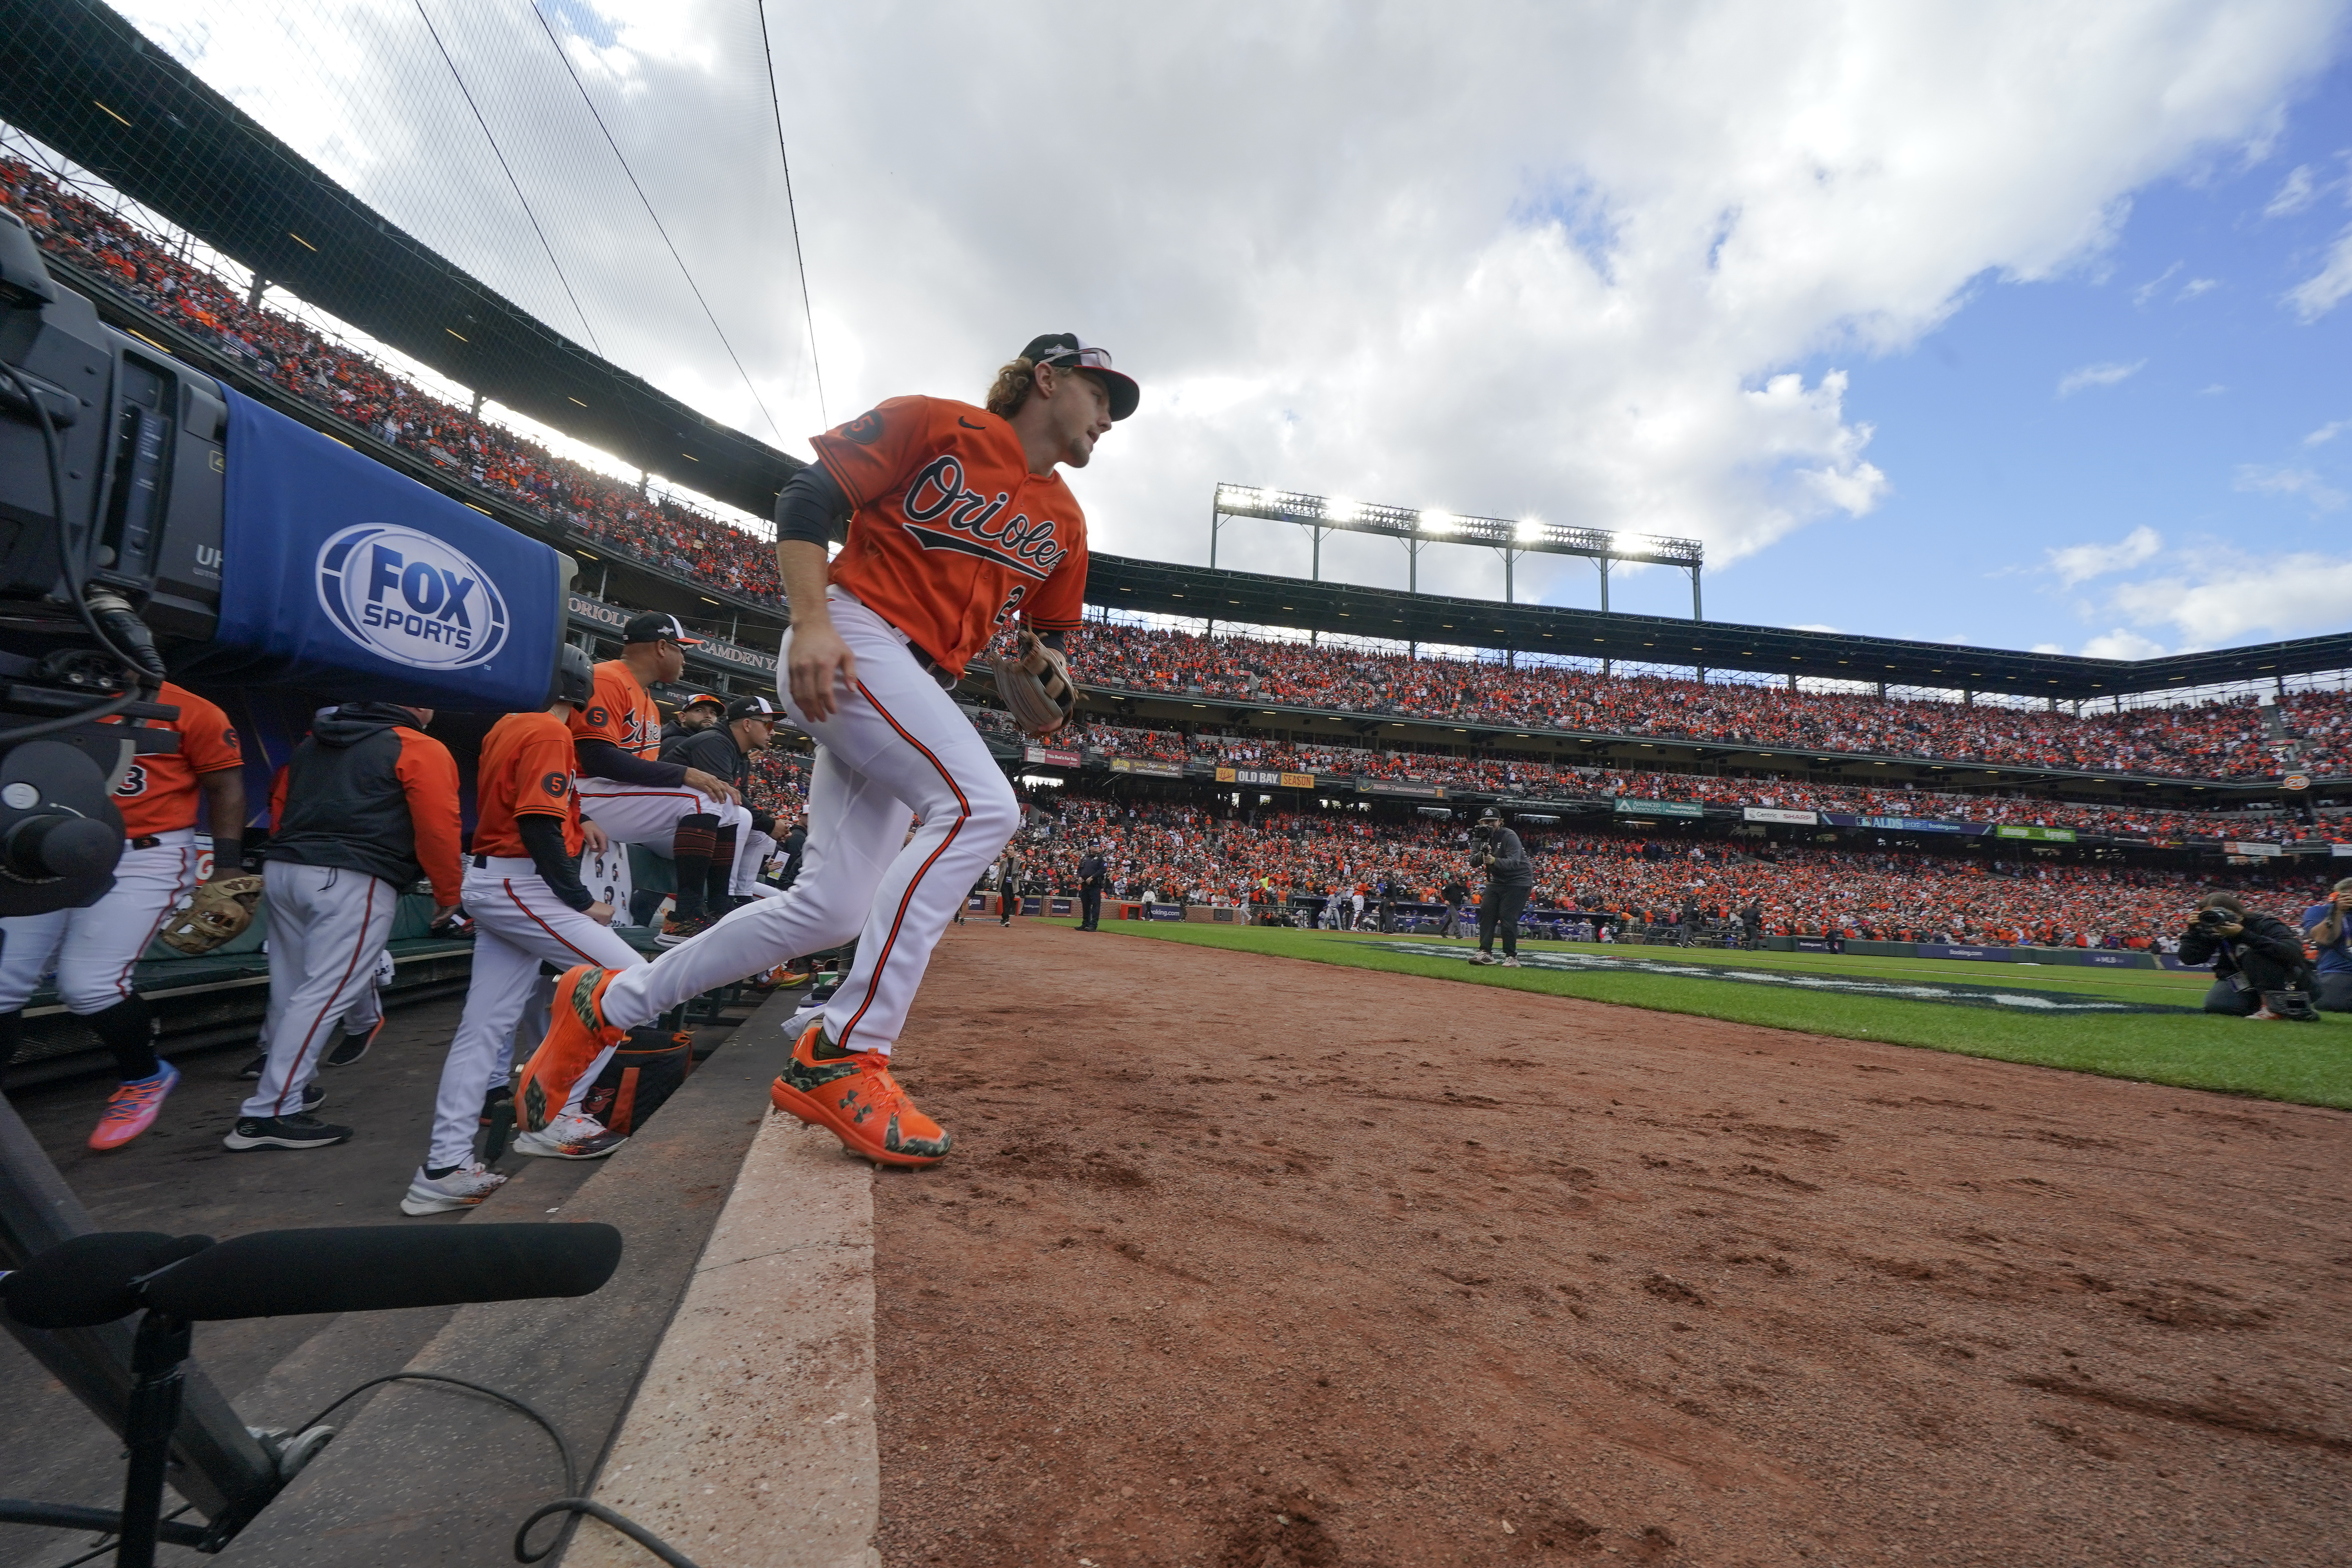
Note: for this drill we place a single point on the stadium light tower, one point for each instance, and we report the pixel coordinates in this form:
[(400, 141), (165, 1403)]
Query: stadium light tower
[(1419, 527)]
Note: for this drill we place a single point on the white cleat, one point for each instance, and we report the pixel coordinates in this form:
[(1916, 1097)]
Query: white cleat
[(572, 1136), (460, 1189)]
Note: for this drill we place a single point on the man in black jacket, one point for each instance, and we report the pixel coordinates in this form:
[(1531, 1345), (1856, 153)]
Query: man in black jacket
[(724, 751), (1456, 894), (1510, 878), (2259, 965), (1090, 890)]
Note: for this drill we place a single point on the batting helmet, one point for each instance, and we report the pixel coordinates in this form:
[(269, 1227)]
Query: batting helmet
[(575, 678)]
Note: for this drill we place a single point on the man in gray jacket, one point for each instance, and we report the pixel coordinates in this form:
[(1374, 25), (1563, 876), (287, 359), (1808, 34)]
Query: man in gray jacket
[(1510, 878)]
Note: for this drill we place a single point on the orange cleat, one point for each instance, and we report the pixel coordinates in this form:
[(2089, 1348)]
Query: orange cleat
[(132, 1109), (576, 1035), (851, 1094)]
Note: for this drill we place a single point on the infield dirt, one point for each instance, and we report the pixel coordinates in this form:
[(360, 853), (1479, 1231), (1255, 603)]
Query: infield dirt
[(1249, 1262)]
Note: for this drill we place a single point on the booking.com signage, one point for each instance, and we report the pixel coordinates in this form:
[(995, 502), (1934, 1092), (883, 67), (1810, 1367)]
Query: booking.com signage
[(339, 576)]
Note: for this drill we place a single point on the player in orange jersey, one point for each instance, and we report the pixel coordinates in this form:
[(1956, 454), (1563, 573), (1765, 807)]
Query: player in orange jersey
[(686, 815), (93, 949), (523, 892), (958, 525)]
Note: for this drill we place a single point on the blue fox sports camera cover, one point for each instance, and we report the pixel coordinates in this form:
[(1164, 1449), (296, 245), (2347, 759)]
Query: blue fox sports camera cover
[(341, 575)]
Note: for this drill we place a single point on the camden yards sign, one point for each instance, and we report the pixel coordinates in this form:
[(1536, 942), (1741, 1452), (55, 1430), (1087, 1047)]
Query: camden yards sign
[(611, 617)]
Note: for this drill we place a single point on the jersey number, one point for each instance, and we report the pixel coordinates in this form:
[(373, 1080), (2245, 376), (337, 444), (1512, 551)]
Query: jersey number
[(1012, 603), (134, 783)]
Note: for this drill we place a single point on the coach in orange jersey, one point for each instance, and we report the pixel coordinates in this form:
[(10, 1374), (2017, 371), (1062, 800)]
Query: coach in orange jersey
[(681, 813), (523, 892), (94, 948), (958, 527)]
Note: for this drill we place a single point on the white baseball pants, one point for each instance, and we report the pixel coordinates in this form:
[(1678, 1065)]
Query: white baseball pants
[(517, 924), (328, 925), (895, 745), (649, 816), (93, 949)]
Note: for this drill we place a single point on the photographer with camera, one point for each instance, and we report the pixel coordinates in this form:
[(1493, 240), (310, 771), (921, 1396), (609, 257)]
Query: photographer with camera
[(2327, 927), (2259, 967), (1510, 879)]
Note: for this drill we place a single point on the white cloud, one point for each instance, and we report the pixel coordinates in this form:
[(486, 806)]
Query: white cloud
[(2154, 286), (2196, 285), (2327, 432), (2224, 597), (1818, 627), (1510, 258), (2298, 193), (2081, 563), (2255, 478), (2049, 647), (2119, 643), (2326, 289), (2109, 375)]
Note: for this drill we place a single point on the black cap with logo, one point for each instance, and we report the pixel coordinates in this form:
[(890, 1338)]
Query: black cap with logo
[(753, 708), (1065, 349), (656, 626)]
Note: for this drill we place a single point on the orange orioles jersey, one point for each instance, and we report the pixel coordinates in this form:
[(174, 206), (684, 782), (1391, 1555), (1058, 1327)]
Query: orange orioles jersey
[(158, 793), (620, 712), (952, 536), (526, 770)]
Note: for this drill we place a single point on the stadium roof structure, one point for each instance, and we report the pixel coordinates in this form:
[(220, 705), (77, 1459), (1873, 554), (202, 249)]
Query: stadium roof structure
[(83, 79), (1253, 598), (80, 77)]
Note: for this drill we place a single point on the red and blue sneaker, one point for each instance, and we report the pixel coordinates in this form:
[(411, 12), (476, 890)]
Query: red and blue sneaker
[(132, 1109)]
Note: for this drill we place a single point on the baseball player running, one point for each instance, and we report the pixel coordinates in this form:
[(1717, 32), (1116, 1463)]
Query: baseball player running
[(523, 892), (674, 810), (93, 949), (957, 525), (367, 804)]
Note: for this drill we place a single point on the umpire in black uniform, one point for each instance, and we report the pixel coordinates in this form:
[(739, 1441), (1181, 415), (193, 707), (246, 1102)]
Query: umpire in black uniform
[(1091, 875), (1510, 878), (724, 751)]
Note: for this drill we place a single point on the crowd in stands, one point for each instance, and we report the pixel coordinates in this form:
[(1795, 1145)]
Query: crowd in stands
[(1557, 781), (654, 529), (2220, 739), (1191, 853)]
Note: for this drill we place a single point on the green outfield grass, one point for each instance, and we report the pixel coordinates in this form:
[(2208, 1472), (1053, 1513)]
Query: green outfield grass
[(2305, 1063)]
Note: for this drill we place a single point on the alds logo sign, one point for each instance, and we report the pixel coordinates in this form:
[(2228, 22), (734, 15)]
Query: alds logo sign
[(410, 598), (972, 524)]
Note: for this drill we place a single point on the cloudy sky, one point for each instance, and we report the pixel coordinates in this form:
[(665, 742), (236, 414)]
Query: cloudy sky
[(2022, 324)]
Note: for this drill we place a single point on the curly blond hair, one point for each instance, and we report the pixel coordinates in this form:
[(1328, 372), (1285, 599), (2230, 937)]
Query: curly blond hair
[(1012, 388)]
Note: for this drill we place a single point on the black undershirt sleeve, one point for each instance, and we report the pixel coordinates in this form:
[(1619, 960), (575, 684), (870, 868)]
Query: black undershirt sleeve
[(812, 508), (542, 837), (600, 758), (1058, 641)]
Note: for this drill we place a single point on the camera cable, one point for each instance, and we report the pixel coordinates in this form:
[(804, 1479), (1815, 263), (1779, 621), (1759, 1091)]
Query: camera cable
[(77, 583), (568, 1503)]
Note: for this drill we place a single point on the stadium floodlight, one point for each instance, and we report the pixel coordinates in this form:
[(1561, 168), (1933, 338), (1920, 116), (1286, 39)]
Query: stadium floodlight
[(1418, 527)]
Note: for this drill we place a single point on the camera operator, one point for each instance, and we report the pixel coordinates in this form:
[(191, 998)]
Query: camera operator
[(2326, 927), (1510, 878), (2259, 967)]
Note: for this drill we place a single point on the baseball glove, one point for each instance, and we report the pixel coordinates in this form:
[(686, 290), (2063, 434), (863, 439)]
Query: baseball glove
[(220, 911), (1036, 685)]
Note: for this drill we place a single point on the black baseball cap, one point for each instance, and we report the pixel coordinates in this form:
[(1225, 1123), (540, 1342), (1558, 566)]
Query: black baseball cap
[(656, 626), (1066, 349), (699, 698), (754, 708)]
